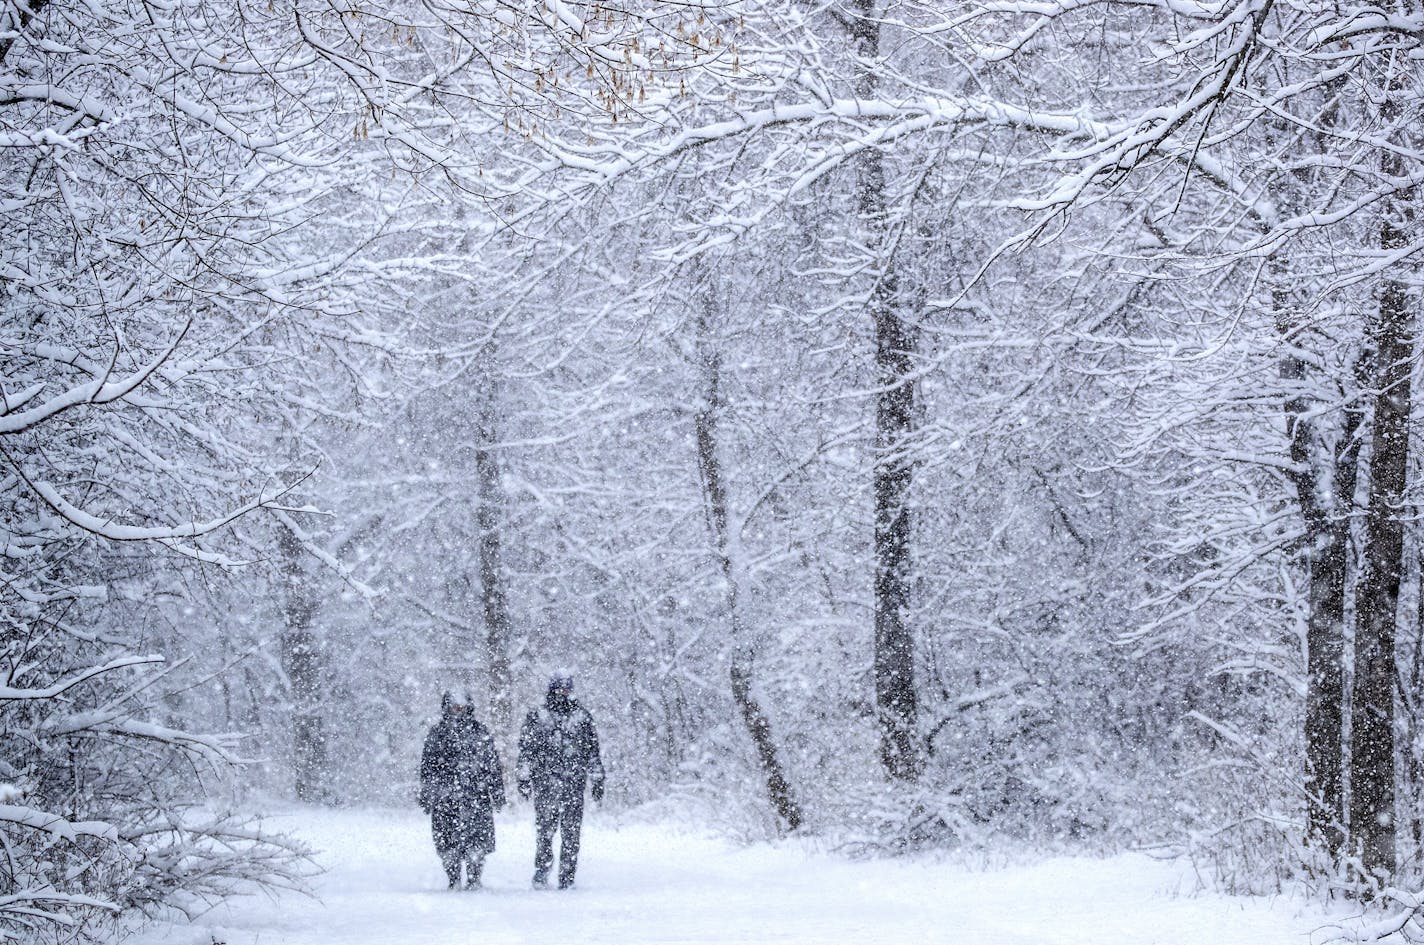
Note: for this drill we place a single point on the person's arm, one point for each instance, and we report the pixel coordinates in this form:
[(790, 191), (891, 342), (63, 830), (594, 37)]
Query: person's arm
[(596, 773), (524, 769), (429, 771), (495, 773)]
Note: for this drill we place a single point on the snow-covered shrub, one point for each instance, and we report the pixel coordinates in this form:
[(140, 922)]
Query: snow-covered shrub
[(105, 810)]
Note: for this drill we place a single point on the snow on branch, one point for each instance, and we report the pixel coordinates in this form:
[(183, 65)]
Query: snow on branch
[(216, 749), (98, 390), (194, 860), (1363, 22), (171, 536), (69, 682), (325, 557), (915, 115), (56, 826)]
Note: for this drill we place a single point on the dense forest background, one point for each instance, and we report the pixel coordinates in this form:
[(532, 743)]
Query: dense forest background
[(926, 425)]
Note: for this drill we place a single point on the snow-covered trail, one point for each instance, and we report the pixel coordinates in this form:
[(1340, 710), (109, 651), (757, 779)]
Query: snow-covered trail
[(650, 884)]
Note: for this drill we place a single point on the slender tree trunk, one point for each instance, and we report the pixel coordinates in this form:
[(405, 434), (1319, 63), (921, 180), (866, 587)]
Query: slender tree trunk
[(494, 594), (1372, 756), (895, 339), (1325, 491), (1326, 696), (1410, 697), (301, 661), (742, 676), (1409, 732)]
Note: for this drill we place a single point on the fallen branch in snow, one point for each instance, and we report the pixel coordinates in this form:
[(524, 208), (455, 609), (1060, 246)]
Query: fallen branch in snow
[(1402, 925)]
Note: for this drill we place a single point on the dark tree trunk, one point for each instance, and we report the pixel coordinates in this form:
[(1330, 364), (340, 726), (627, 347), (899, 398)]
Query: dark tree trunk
[(1325, 659), (709, 465), (1413, 763), (1372, 762), (1325, 492), (301, 661), (494, 594), (894, 642), (896, 701), (1410, 694)]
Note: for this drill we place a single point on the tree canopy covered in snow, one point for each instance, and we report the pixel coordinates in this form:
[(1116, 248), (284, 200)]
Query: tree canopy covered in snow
[(927, 425)]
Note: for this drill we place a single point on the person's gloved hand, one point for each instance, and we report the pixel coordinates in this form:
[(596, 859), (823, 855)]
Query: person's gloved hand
[(525, 790), (598, 792)]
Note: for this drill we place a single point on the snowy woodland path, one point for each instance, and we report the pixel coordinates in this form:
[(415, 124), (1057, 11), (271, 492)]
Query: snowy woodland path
[(647, 884)]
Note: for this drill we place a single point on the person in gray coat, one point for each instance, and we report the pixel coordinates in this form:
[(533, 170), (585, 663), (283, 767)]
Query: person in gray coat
[(558, 757), (461, 786)]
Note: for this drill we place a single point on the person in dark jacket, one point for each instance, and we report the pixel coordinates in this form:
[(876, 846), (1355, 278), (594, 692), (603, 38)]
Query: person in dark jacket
[(558, 756), (461, 786)]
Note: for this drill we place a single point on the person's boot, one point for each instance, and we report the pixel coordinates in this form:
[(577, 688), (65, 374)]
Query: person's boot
[(474, 869), (541, 879)]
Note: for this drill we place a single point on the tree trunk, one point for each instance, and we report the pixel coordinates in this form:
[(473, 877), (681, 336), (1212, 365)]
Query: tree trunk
[(1412, 676), (1372, 763), (301, 661), (1325, 493), (758, 726), (494, 594), (895, 697)]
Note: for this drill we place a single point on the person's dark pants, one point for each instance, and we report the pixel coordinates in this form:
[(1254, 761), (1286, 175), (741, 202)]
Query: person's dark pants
[(461, 841), (558, 807)]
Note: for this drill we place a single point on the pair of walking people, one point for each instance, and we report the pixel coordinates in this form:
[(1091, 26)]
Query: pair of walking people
[(462, 783)]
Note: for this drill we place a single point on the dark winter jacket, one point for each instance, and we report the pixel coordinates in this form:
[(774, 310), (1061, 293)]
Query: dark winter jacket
[(459, 768), (559, 746)]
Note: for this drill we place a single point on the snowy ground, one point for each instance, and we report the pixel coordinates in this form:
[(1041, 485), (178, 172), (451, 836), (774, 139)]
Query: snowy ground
[(644, 884)]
